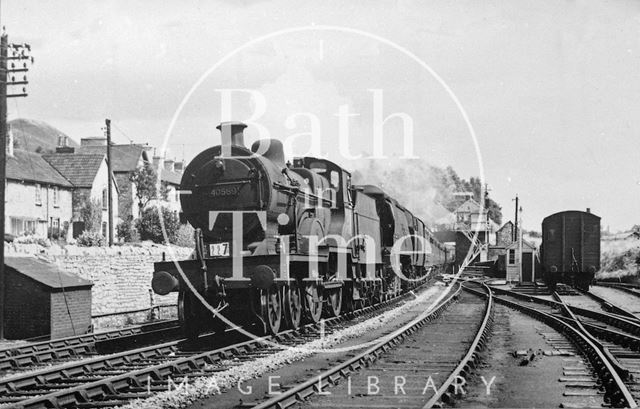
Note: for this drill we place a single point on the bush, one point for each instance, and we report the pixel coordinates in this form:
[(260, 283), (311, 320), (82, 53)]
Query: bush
[(126, 231), (149, 226), (184, 236), (33, 239), (91, 239)]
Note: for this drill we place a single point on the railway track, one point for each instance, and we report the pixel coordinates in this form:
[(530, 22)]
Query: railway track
[(621, 294), (622, 323), (417, 350), (69, 348), (621, 348), (117, 379), (606, 339)]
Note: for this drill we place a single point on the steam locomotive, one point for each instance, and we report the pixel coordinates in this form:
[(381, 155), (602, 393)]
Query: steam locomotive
[(279, 243)]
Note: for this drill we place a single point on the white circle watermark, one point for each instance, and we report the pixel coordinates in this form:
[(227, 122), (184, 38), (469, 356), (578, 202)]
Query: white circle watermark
[(322, 28)]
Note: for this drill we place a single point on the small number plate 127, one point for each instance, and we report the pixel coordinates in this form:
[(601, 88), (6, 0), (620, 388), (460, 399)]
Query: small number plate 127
[(219, 249)]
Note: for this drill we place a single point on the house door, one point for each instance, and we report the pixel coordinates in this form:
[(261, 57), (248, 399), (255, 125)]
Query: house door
[(527, 273)]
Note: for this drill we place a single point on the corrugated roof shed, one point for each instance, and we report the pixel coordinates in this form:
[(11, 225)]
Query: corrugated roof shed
[(124, 158), (79, 169), (45, 273), (30, 166)]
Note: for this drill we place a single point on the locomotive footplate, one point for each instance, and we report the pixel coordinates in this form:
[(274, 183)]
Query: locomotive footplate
[(255, 272)]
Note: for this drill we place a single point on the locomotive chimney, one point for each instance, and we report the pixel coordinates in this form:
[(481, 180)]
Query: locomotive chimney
[(232, 133), (588, 210)]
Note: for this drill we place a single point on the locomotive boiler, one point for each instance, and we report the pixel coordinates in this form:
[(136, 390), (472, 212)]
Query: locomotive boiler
[(278, 243)]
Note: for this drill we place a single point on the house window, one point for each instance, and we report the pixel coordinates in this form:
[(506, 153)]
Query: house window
[(20, 226), (55, 196), (512, 256), (105, 198), (38, 194), (16, 226), (30, 226)]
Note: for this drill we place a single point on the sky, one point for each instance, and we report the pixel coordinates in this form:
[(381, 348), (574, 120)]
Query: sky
[(551, 89)]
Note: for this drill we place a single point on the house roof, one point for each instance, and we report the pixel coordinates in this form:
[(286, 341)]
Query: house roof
[(506, 224), (525, 244), (171, 177), (124, 158), (30, 166), (45, 273), (469, 206), (79, 169)]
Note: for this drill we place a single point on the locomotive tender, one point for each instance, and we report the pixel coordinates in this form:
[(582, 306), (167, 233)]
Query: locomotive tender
[(278, 243), (570, 248)]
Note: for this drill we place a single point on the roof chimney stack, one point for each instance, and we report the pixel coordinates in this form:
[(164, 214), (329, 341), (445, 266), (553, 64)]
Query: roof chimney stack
[(63, 145), (158, 162), (232, 133), (93, 141)]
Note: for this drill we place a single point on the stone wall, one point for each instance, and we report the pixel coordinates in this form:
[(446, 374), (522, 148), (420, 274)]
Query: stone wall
[(121, 276)]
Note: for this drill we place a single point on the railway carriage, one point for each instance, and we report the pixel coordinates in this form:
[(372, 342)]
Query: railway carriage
[(277, 243), (570, 248)]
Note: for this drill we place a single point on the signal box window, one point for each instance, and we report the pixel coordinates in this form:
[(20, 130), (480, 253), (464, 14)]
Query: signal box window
[(512, 256)]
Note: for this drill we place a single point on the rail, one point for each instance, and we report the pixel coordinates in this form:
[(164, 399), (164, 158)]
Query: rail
[(342, 370), (468, 362), (616, 391), (173, 364)]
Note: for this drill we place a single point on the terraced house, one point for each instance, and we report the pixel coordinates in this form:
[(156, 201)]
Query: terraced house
[(38, 199), (87, 173), (126, 158)]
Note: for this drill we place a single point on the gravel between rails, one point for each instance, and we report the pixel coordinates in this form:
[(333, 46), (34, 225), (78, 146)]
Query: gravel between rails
[(409, 374), (556, 374), (204, 387)]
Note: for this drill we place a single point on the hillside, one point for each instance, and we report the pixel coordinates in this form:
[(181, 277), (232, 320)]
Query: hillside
[(36, 136)]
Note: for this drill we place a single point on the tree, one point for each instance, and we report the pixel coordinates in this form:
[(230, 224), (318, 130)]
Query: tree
[(91, 214), (145, 179)]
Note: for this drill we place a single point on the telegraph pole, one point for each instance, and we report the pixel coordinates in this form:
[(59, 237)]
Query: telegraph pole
[(107, 122), (3, 167), (19, 53), (515, 228)]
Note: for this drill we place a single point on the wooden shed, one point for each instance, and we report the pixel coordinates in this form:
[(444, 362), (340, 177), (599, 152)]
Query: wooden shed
[(528, 262), (43, 300)]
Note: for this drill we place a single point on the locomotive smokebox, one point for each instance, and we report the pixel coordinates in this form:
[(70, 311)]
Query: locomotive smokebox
[(232, 133)]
